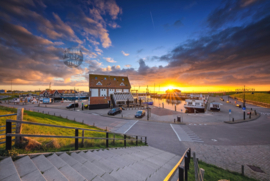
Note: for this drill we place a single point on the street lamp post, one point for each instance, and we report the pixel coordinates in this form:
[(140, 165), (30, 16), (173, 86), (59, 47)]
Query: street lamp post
[(74, 99)]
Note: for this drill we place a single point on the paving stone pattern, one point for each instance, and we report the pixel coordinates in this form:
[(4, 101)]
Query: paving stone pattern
[(132, 164), (232, 157)]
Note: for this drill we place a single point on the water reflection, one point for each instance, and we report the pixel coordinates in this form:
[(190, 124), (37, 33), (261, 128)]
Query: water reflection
[(170, 104)]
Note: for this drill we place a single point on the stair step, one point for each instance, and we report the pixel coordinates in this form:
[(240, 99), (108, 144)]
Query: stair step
[(79, 158), (98, 178), (8, 170), (86, 173), (27, 169), (49, 171), (109, 164), (95, 169), (65, 169), (108, 177)]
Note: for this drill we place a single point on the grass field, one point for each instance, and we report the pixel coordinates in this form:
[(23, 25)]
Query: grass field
[(213, 172), (60, 144), (259, 97)]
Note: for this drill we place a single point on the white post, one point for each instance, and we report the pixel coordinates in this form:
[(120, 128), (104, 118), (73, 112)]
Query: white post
[(19, 125)]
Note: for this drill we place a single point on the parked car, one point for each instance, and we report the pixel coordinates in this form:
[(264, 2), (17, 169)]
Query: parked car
[(114, 111), (228, 101), (140, 114), (221, 99), (72, 105), (238, 105)]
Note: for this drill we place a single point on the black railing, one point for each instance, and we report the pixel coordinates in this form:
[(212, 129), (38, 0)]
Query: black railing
[(2, 131), (182, 171), (9, 134)]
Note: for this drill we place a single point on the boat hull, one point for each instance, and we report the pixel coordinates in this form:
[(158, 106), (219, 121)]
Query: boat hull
[(193, 110)]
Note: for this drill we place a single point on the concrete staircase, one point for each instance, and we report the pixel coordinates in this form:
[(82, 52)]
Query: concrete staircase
[(123, 164)]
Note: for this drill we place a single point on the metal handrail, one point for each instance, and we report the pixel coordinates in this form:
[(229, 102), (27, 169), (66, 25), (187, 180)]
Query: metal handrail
[(67, 127), (55, 136), (7, 115), (170, 175), (9, 134)]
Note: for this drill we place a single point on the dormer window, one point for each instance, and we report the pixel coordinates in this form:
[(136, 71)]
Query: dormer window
[(99, 83)]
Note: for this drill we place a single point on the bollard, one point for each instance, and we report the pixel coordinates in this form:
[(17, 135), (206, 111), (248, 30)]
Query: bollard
[(93, 124), (74, 119), (54, 114), (83, 121), (255, 112), (174, 120), (250, 115), (232, 119), (243, 173)]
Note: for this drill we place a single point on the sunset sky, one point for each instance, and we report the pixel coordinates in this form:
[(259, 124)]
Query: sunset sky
[(198, 45)]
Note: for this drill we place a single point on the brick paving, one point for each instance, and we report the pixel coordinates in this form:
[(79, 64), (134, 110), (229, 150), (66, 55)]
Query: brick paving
[(232, 157)]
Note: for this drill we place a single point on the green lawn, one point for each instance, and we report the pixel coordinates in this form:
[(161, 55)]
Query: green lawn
[(214, 173), (63, 144), (259, 97)]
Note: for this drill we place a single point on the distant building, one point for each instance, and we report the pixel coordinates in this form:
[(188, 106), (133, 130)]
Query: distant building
[(3, 91), (56, 93), (102, 86)]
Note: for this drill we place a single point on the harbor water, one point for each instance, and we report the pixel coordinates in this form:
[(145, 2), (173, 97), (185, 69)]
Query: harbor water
[(170, 104)]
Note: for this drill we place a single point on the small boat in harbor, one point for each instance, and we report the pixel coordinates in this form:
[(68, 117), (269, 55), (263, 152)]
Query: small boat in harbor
[(215, 106), (195, 106), (146, 100)]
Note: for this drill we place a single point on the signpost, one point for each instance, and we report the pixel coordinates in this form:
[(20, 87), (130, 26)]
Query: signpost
[(230, 112), (244, 112)]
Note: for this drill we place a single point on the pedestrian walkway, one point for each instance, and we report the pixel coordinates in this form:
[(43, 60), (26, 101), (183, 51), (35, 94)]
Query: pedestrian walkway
[(124, 127), (185, 134)]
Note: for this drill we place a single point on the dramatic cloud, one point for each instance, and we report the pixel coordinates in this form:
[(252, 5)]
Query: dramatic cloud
[(232, 10), (125, 54), (33, 38), (108, 59)]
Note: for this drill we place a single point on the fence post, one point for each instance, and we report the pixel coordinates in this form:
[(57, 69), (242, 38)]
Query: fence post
[(107, 139), (186, 168), (125, 136), (76, 139), (82, 138), (19, 125), (136, 140), (113, 139), (202, 173), (195, 166), (189, 155), (180, 173), (8, 138), (145, 140)]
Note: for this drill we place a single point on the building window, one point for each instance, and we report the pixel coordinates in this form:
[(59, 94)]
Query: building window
[(114, 78), (122, 79), (96, 78), (105, 78)]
